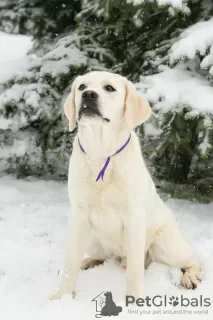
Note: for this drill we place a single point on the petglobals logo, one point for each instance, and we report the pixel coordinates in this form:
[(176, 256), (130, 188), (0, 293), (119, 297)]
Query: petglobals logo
[(105, 305), (165, 301), (158, 305)]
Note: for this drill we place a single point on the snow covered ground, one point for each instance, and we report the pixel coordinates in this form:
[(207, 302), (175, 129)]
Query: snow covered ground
[(33, 220), (13, 58)]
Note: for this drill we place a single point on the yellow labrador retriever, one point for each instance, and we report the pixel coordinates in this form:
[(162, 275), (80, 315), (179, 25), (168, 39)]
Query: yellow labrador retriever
[(116, 211)]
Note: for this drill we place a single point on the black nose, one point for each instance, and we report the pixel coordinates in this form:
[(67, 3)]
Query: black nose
[(89, 94)]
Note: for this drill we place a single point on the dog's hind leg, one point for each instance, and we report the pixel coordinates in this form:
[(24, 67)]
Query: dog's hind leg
[(89, 263), (171, 249), (191, 277), (97, 256)]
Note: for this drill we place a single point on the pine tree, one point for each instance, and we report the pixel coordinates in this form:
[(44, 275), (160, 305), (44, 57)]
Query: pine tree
[(36, 140), (37, 17), (142, 38), (183, 108), (129, 37)]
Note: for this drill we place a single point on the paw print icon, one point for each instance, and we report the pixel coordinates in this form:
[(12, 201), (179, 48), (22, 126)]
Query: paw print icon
[(174, 301)]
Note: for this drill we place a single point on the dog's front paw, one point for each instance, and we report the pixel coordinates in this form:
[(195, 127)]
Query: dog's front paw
[(64, 289)]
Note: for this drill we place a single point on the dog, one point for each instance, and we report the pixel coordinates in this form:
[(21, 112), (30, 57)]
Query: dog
[(115, 209)]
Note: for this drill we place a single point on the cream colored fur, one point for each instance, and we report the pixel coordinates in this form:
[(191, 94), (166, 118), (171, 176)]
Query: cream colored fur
[(122, 216)]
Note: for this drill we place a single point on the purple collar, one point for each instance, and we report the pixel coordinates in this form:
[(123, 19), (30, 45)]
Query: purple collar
[(101, 173)]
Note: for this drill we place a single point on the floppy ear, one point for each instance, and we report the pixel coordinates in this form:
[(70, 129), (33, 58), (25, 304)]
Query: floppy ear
[(136, 110), (70, 109)]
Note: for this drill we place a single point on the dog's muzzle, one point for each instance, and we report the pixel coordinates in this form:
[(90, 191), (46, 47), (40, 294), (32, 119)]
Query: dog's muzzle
[(89, 104)]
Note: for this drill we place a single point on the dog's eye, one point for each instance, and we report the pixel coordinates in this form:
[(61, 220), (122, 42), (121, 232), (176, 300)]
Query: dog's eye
[(82, 87), (109, 88)]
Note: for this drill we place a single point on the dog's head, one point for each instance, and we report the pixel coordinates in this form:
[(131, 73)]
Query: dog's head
[(108, 294), (107, 99)]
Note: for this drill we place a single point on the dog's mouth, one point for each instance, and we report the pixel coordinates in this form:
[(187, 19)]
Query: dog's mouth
[(90, 111)]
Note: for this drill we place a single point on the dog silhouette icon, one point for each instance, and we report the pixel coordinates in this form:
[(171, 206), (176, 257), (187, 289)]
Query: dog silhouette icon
[(110, 308)]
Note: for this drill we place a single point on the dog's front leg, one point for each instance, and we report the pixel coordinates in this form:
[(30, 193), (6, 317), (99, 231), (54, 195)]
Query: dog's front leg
[(78, 234), (134, 233)]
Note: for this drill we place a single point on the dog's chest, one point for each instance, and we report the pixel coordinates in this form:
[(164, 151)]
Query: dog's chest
[(107, 211), (105, 201), (107, 206)]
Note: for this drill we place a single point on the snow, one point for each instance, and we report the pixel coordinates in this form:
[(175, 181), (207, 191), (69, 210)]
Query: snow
[(33, 222), (177, 4), (207, 62), (151, 130), (25, 100), (205, 146), (18, 148), (64, 55), (174, 3), (5, 123), (195, 39), (60, 58), (13, 55), (177, 88), (26, 92)]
